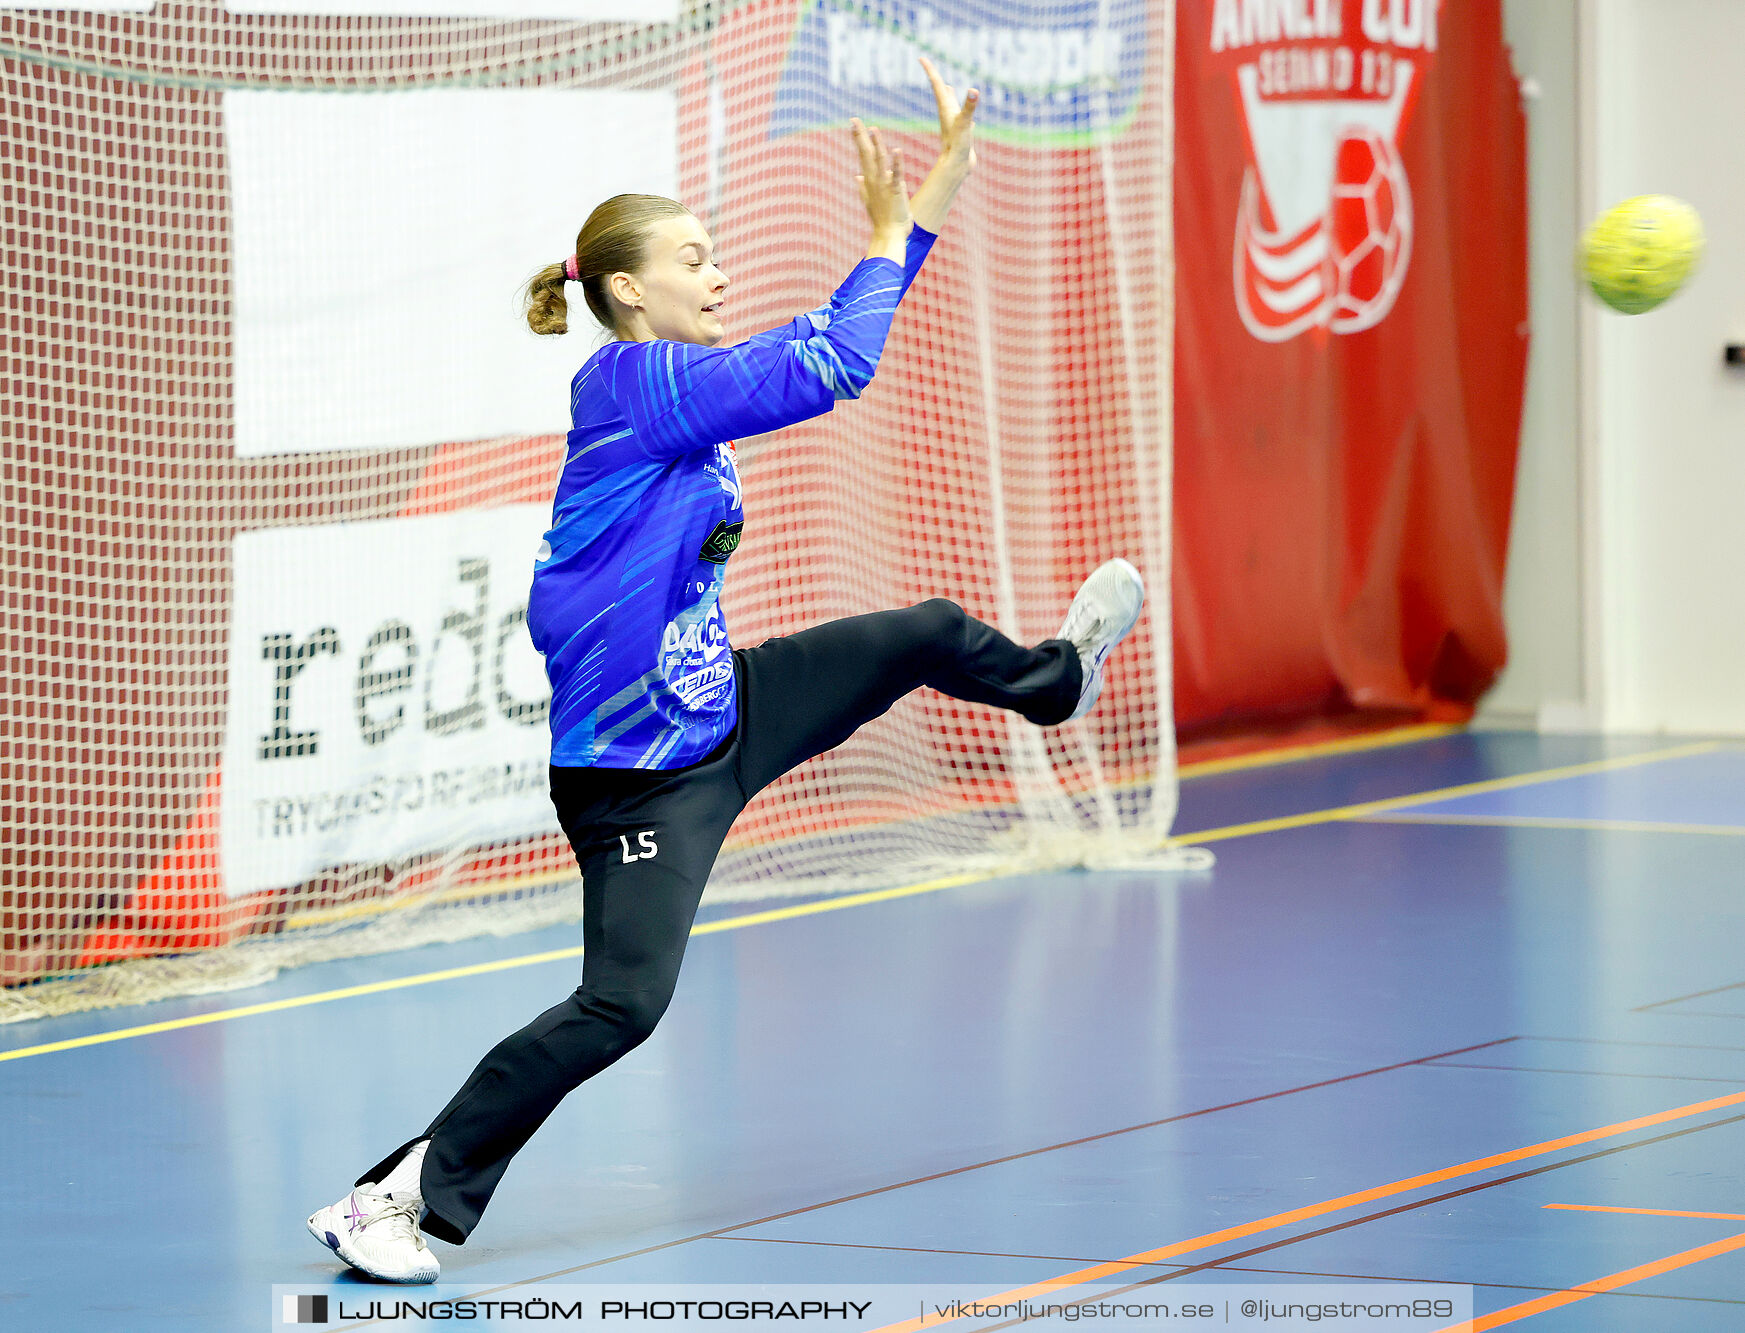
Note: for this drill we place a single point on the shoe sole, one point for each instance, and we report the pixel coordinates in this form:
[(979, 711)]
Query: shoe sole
[(331, 1241), (1094, 686), (1133, 578)]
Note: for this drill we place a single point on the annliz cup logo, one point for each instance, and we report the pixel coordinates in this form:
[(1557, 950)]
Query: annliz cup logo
[(1324, 225)]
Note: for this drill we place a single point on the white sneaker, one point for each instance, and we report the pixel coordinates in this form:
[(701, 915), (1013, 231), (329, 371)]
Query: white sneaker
[(1105, 608), (378, 1235)]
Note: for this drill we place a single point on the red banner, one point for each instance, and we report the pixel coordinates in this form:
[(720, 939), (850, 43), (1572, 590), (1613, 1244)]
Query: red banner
[(1351, 345)]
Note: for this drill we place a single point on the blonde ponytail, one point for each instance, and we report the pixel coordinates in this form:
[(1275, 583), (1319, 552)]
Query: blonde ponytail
[(614, 239), (548, 311)]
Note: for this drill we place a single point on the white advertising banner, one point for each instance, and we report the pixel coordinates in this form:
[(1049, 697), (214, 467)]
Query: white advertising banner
[(589, 11), (379, 243), (385, 697), (87, 6)]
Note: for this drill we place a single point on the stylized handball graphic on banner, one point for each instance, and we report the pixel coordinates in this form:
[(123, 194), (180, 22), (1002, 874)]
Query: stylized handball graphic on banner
[(1369, 226), (1324, 226)]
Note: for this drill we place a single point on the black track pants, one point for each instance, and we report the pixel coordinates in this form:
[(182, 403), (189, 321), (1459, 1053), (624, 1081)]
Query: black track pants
[(646, 839)]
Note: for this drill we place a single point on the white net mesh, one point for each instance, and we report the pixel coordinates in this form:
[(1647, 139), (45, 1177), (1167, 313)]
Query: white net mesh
[(278, 452)]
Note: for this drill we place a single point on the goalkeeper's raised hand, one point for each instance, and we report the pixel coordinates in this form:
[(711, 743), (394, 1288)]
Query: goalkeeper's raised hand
[(957, 155), (884, 193)]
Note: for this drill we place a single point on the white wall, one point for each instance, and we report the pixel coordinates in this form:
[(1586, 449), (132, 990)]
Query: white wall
[(1542, 683), (1657, 471), (1669, 420)]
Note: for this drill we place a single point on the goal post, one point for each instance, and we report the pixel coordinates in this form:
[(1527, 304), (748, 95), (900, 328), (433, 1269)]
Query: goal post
[(280, 452)]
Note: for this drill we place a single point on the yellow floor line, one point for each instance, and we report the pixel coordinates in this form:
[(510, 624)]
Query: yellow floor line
[(1291, 754), (1369, 808), (1408, 735), (1586, 825), (1382, 740), (1348, 812), (480, 969)]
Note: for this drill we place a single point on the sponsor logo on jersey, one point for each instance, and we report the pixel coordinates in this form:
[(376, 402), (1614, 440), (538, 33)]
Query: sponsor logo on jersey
[(727, 472), (723, 542), (705, 690), (693, 656), (1324, 225)]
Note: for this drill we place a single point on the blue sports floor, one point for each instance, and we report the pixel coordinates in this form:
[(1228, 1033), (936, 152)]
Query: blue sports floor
[(1410, 1029)]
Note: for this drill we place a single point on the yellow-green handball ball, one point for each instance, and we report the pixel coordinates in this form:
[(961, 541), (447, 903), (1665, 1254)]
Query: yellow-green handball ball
[(1640, 251)]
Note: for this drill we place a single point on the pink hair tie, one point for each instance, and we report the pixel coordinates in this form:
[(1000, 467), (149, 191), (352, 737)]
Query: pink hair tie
[(572, 269)]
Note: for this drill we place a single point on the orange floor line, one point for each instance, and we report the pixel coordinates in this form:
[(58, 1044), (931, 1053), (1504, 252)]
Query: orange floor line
[(1646, 1212), (1599, 1286), (1116, 1266)]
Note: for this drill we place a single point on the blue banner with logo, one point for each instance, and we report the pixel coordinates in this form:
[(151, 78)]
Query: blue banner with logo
[(1063, 72)]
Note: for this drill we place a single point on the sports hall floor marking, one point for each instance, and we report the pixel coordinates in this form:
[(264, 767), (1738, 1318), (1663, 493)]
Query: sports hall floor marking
[(1382, 740), (1642, 1212), (1268, 1272), (1694, 995), (1587, 1073), (1413, 1280), (477, 969), (1612, 1281), (1616, 1041), (1117, 1266), (1223, 1261), (1293, 754), (1539, 822), (1488, 1286), (1336, 814), (724, 1233), (1367, 809)]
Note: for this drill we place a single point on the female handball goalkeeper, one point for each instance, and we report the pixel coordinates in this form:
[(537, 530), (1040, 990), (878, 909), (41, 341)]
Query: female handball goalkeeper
[(661, 732)]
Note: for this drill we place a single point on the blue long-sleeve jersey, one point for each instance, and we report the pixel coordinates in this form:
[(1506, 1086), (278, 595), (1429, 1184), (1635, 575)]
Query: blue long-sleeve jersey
[(626, 593)]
